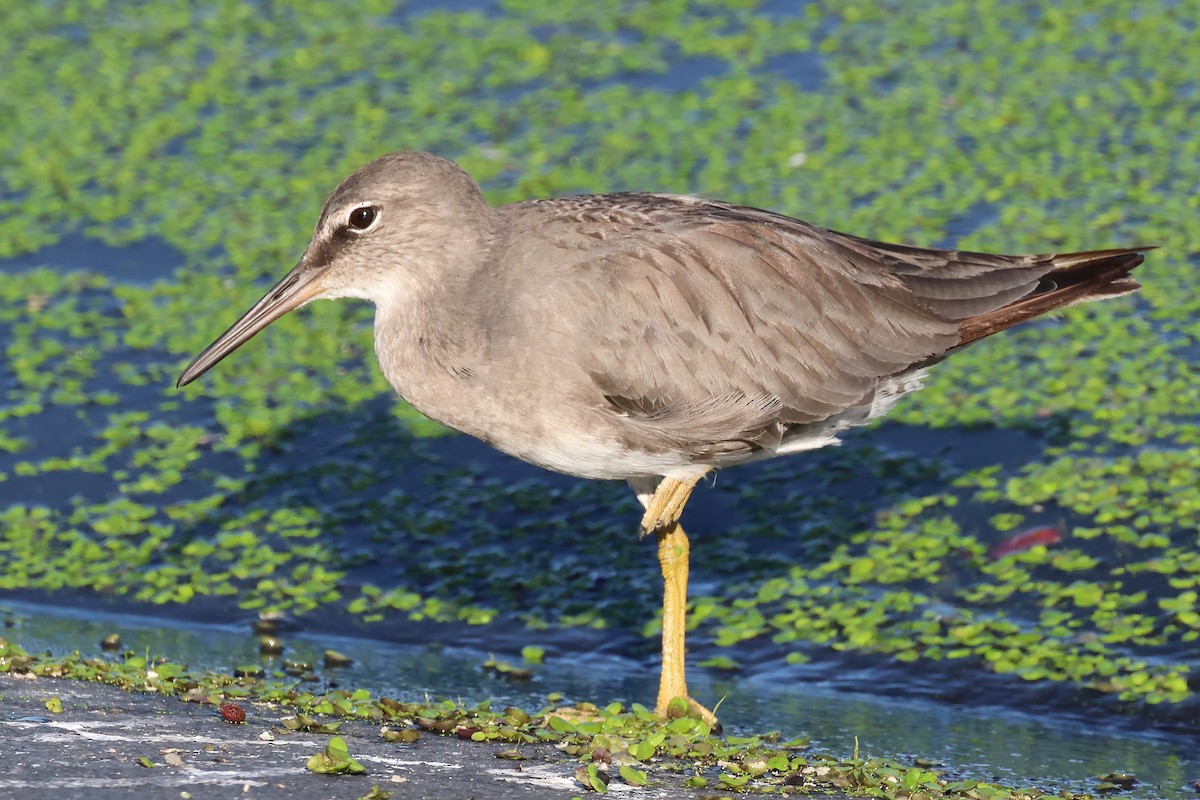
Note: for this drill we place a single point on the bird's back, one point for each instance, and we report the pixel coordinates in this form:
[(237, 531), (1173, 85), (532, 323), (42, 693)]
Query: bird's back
[(721, 332)]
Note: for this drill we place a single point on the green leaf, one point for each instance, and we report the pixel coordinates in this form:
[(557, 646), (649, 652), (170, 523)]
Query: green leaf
[(633, 776)]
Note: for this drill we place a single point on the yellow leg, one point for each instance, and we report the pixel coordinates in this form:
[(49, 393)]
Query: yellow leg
[(662, 518)]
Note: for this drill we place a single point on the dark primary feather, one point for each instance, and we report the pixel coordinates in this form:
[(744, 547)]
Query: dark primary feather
[(720, 328)]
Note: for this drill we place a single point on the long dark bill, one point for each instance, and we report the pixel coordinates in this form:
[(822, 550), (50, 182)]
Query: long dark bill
[(297, 288)]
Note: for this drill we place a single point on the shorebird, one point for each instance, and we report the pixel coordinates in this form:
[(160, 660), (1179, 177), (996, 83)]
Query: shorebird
[(651, 338)]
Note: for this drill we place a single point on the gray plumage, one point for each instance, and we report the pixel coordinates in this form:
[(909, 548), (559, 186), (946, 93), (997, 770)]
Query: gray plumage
[(637, 335), (646, 336)]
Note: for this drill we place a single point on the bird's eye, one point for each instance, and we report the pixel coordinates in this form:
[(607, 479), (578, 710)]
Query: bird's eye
[(363, 217)]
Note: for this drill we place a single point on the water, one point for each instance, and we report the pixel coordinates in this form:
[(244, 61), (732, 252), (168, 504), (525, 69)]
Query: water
[(142, 262), (583, 547), (987, 743)]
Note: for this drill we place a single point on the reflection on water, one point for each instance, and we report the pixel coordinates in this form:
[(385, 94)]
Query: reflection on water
[(988, 743)]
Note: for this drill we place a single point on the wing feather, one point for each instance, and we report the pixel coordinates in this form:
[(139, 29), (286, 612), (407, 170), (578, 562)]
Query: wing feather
[(717, 328)]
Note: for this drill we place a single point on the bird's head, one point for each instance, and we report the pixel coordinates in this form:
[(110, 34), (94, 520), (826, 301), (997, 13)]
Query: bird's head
[(402, 221)]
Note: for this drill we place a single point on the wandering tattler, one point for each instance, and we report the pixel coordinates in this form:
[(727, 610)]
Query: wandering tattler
[(649, 337)]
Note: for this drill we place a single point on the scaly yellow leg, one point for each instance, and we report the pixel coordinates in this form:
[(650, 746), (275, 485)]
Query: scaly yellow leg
[(663, 509)]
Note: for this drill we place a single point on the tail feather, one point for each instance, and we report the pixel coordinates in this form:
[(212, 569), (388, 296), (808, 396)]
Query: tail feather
[(1072, 278)]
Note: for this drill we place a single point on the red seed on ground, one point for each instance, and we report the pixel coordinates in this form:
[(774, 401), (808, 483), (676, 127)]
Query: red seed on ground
[(232, 713), (1025, 540)]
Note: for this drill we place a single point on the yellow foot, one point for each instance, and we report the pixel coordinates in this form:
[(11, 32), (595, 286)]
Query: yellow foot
[(685, 706), (665, 506)]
